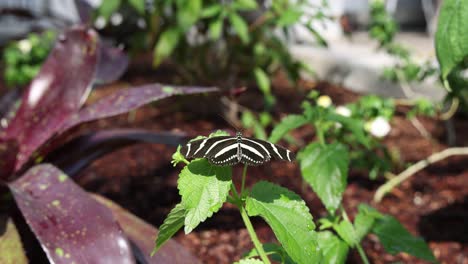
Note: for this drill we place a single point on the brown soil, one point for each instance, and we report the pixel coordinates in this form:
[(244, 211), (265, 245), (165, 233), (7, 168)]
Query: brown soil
[(432, 204)]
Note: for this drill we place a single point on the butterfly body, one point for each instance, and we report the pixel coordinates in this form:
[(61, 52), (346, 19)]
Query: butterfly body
[(228, 151)]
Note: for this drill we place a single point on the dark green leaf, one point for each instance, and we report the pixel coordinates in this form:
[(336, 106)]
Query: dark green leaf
[(346, 231), (211, 11), (287, 124), (139, 5), (452, 35), (204, 188), (356, 126), (188, 13), (364, 220), (274, 251), (108, 7), (334, 250), (240, 26), (173, 222), (287, 214), (395, 238), (325, 168)]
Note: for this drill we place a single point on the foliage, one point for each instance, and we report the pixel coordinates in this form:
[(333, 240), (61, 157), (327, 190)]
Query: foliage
[(24, 58), (60, 214), (203, 188), (452, 49), (220, 41)]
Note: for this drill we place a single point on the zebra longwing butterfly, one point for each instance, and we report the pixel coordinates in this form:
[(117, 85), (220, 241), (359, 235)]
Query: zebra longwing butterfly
[(227, 150)]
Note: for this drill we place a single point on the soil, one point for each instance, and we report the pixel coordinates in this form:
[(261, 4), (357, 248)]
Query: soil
[(432, 204)]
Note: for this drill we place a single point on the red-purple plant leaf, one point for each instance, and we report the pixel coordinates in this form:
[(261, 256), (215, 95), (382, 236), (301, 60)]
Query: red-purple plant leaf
[(11, 247), (112, 64), (85, 11), (8, 151), (142, 235), (126, 100), (69, 224), (81, 151), (57, 92)]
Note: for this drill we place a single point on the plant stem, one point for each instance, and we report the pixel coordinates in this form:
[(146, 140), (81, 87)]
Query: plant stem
[(359, 248), (320, 135), (253, 236), (244, 173), (410, 171)]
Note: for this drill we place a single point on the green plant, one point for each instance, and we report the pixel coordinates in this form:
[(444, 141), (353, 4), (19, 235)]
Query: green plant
[(204, 188), (233, 42), (24, 58)]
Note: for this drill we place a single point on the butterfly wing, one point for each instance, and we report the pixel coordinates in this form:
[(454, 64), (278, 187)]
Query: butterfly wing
[(206, 147), (273, 150), (253, 152)]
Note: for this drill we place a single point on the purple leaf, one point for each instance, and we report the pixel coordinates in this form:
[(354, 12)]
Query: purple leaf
[(85, 11), (81, 151), (142, 235), (57, 92), (69, 224), (126, 100), (8, 151), (112, 64)]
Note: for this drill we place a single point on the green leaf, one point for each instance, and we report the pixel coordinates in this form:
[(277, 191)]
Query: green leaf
[(346, 231), (204, 188), (262, 80), (289, 217), (356, 126), (245, 5), (139, 5), (451, 38), (364, 220), (286, 124), (188, 13), (211, 11), (216, 28), (249, 261), (289, 17), (395, 238), (334, 249), (275, 253), (107, 8), (325, 168), (165, 45), (173, 222), (240, 26)]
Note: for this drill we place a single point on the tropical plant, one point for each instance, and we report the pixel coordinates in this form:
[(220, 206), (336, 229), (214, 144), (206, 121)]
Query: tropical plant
[(69, 224)]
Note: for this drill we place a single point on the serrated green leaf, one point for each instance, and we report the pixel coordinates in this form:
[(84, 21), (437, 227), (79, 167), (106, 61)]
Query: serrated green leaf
[(204, 188), (139, 5), (346, 231), (395, 238), (173, 222), (240, 26), (274, 252), (286, 124), (216, 28), (334, 250), (287, 214), (107, 8), (165, 45), (244, 5), (364, 220), (325, 168), (451, 38), (263, 81)]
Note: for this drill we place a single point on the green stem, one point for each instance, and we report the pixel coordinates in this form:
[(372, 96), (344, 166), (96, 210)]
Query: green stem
[(320, 135), (359, 248), (244, 173), (253, 236)]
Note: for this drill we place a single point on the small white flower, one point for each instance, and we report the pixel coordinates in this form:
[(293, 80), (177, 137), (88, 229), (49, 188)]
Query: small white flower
[(378, 127), (24, 46), (324, 101), (343, 110), (116, 19), (100, 22)]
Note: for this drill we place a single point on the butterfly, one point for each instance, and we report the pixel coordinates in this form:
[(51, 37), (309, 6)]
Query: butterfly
[(229, 150)]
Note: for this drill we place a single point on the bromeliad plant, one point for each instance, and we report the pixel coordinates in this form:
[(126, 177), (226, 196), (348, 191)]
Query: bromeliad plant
[(205, 187), (70, 225)]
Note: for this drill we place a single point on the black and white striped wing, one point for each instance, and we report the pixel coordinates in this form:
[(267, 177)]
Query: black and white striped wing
[(273, 150), (207, 147)]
